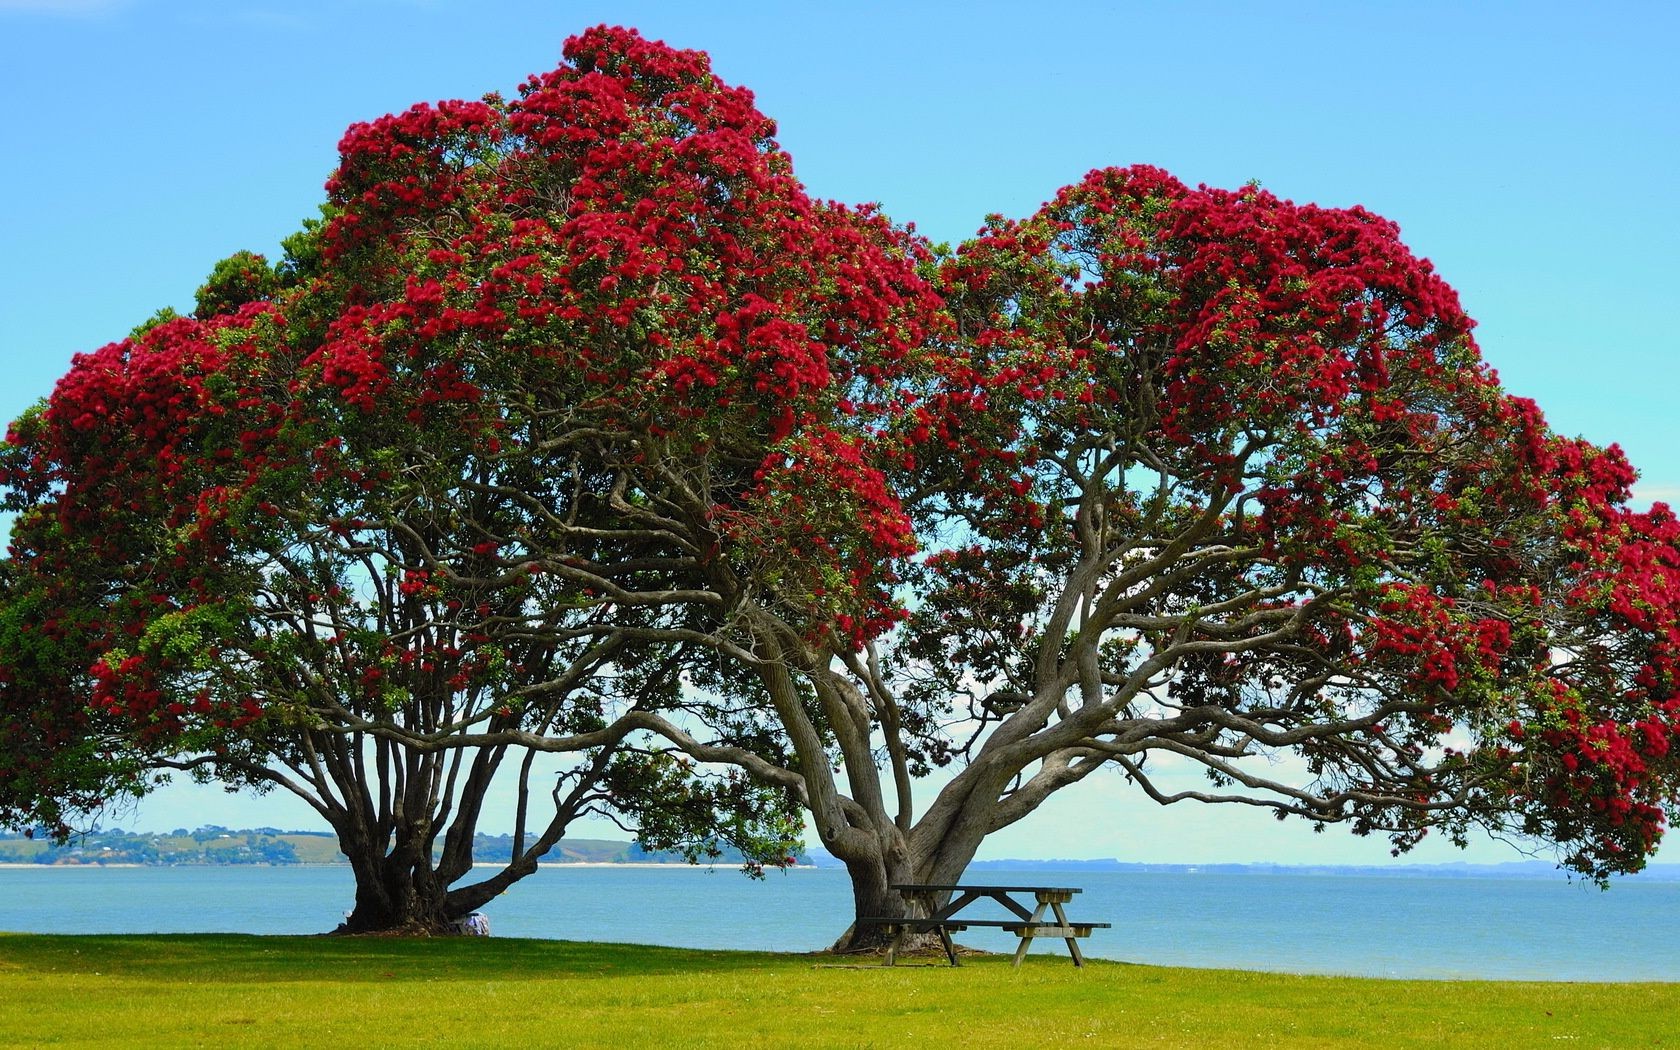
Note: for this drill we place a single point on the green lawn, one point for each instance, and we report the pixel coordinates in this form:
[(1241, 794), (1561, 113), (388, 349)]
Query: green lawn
[(218, 990)]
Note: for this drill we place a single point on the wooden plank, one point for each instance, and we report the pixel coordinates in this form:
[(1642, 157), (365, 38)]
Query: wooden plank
[(1038, 930), (1010, 924), (950, 949), (1010, 904), (1073, 945), (966, 921), (952, 906), (967, 897), (1026, 934), (928, 887)]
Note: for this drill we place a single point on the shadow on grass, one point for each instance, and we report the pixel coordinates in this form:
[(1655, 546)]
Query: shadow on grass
[(245, 957)]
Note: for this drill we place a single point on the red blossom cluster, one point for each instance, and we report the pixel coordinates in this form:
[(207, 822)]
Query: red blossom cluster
[(836, 533), (1434, 644)]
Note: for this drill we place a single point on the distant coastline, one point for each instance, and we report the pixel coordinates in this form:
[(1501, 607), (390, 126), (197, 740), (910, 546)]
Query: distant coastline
[(271, 847), (215, 846), (96, 865), (1522, 869)]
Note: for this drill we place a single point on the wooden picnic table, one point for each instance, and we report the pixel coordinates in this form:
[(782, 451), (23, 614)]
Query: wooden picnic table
[(944, 918)]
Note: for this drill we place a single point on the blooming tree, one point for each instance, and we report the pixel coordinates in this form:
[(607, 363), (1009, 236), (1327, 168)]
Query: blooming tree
[(369, 528), (1211, 481), (575, 427)]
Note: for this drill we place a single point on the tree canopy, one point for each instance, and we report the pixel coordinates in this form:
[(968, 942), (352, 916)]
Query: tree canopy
[(575, 426), (360, 526)]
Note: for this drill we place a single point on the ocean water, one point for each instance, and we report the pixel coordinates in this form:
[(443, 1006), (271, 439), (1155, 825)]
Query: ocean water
[(1506, 929)]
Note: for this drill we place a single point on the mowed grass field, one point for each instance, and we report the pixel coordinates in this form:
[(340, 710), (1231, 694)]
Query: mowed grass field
[(235, 990)]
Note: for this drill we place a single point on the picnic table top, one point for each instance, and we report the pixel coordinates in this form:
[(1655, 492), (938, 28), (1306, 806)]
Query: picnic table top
[(928, 887)]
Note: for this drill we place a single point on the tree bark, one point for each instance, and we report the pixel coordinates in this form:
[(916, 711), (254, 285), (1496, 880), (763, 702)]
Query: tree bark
[(874, 873), (872, 896), (393, 896)]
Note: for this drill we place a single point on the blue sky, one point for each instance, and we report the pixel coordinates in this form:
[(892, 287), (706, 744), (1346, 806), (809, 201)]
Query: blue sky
[(1529, 149)]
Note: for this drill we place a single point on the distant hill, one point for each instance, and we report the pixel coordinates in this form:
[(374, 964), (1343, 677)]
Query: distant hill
[(206, 845), (1522, 869), (495, 848), (218, 845)]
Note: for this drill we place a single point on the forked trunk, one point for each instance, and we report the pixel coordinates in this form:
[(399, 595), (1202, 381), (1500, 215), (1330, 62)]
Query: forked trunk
[(875, 873), (874, 898), (395, 896)]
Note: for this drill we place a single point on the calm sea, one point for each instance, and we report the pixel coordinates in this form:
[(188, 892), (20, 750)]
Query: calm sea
[(1529, 929)]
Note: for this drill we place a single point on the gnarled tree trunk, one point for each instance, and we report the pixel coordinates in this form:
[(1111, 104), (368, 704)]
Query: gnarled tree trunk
[(396, 896), (405, 876)]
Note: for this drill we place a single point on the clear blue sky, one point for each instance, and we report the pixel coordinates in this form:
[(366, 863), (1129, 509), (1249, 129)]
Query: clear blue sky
[(1530, 149)]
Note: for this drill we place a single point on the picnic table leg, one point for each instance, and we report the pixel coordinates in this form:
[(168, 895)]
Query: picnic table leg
[(950, 949), (895, 944), (1026, 934), (1073, 945)]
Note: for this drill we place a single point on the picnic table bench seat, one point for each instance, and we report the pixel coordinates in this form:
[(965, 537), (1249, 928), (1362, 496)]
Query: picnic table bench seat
[(1040, 928)]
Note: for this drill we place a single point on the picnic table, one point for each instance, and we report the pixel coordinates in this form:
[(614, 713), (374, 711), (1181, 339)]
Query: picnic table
[(943, 919)]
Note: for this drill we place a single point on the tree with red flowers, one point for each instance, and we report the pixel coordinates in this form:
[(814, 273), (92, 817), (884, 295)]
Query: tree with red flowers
[(576, 427), (375, 526), (1206, 480)]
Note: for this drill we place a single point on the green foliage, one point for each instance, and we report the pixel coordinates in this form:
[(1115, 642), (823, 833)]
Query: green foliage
[(163, 316), (243, 277), (677, 808), (301, 258)]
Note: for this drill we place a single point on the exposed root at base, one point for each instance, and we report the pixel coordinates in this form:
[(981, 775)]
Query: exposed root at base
[(409, 929), (933, 950)]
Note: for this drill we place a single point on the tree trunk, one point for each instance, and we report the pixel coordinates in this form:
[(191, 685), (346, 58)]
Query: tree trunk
[(399, 889), (404, 891), (872, 896), (396, 896), (874, 874), (903, 861)]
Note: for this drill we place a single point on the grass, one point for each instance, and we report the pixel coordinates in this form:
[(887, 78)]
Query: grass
[(227, 990)]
